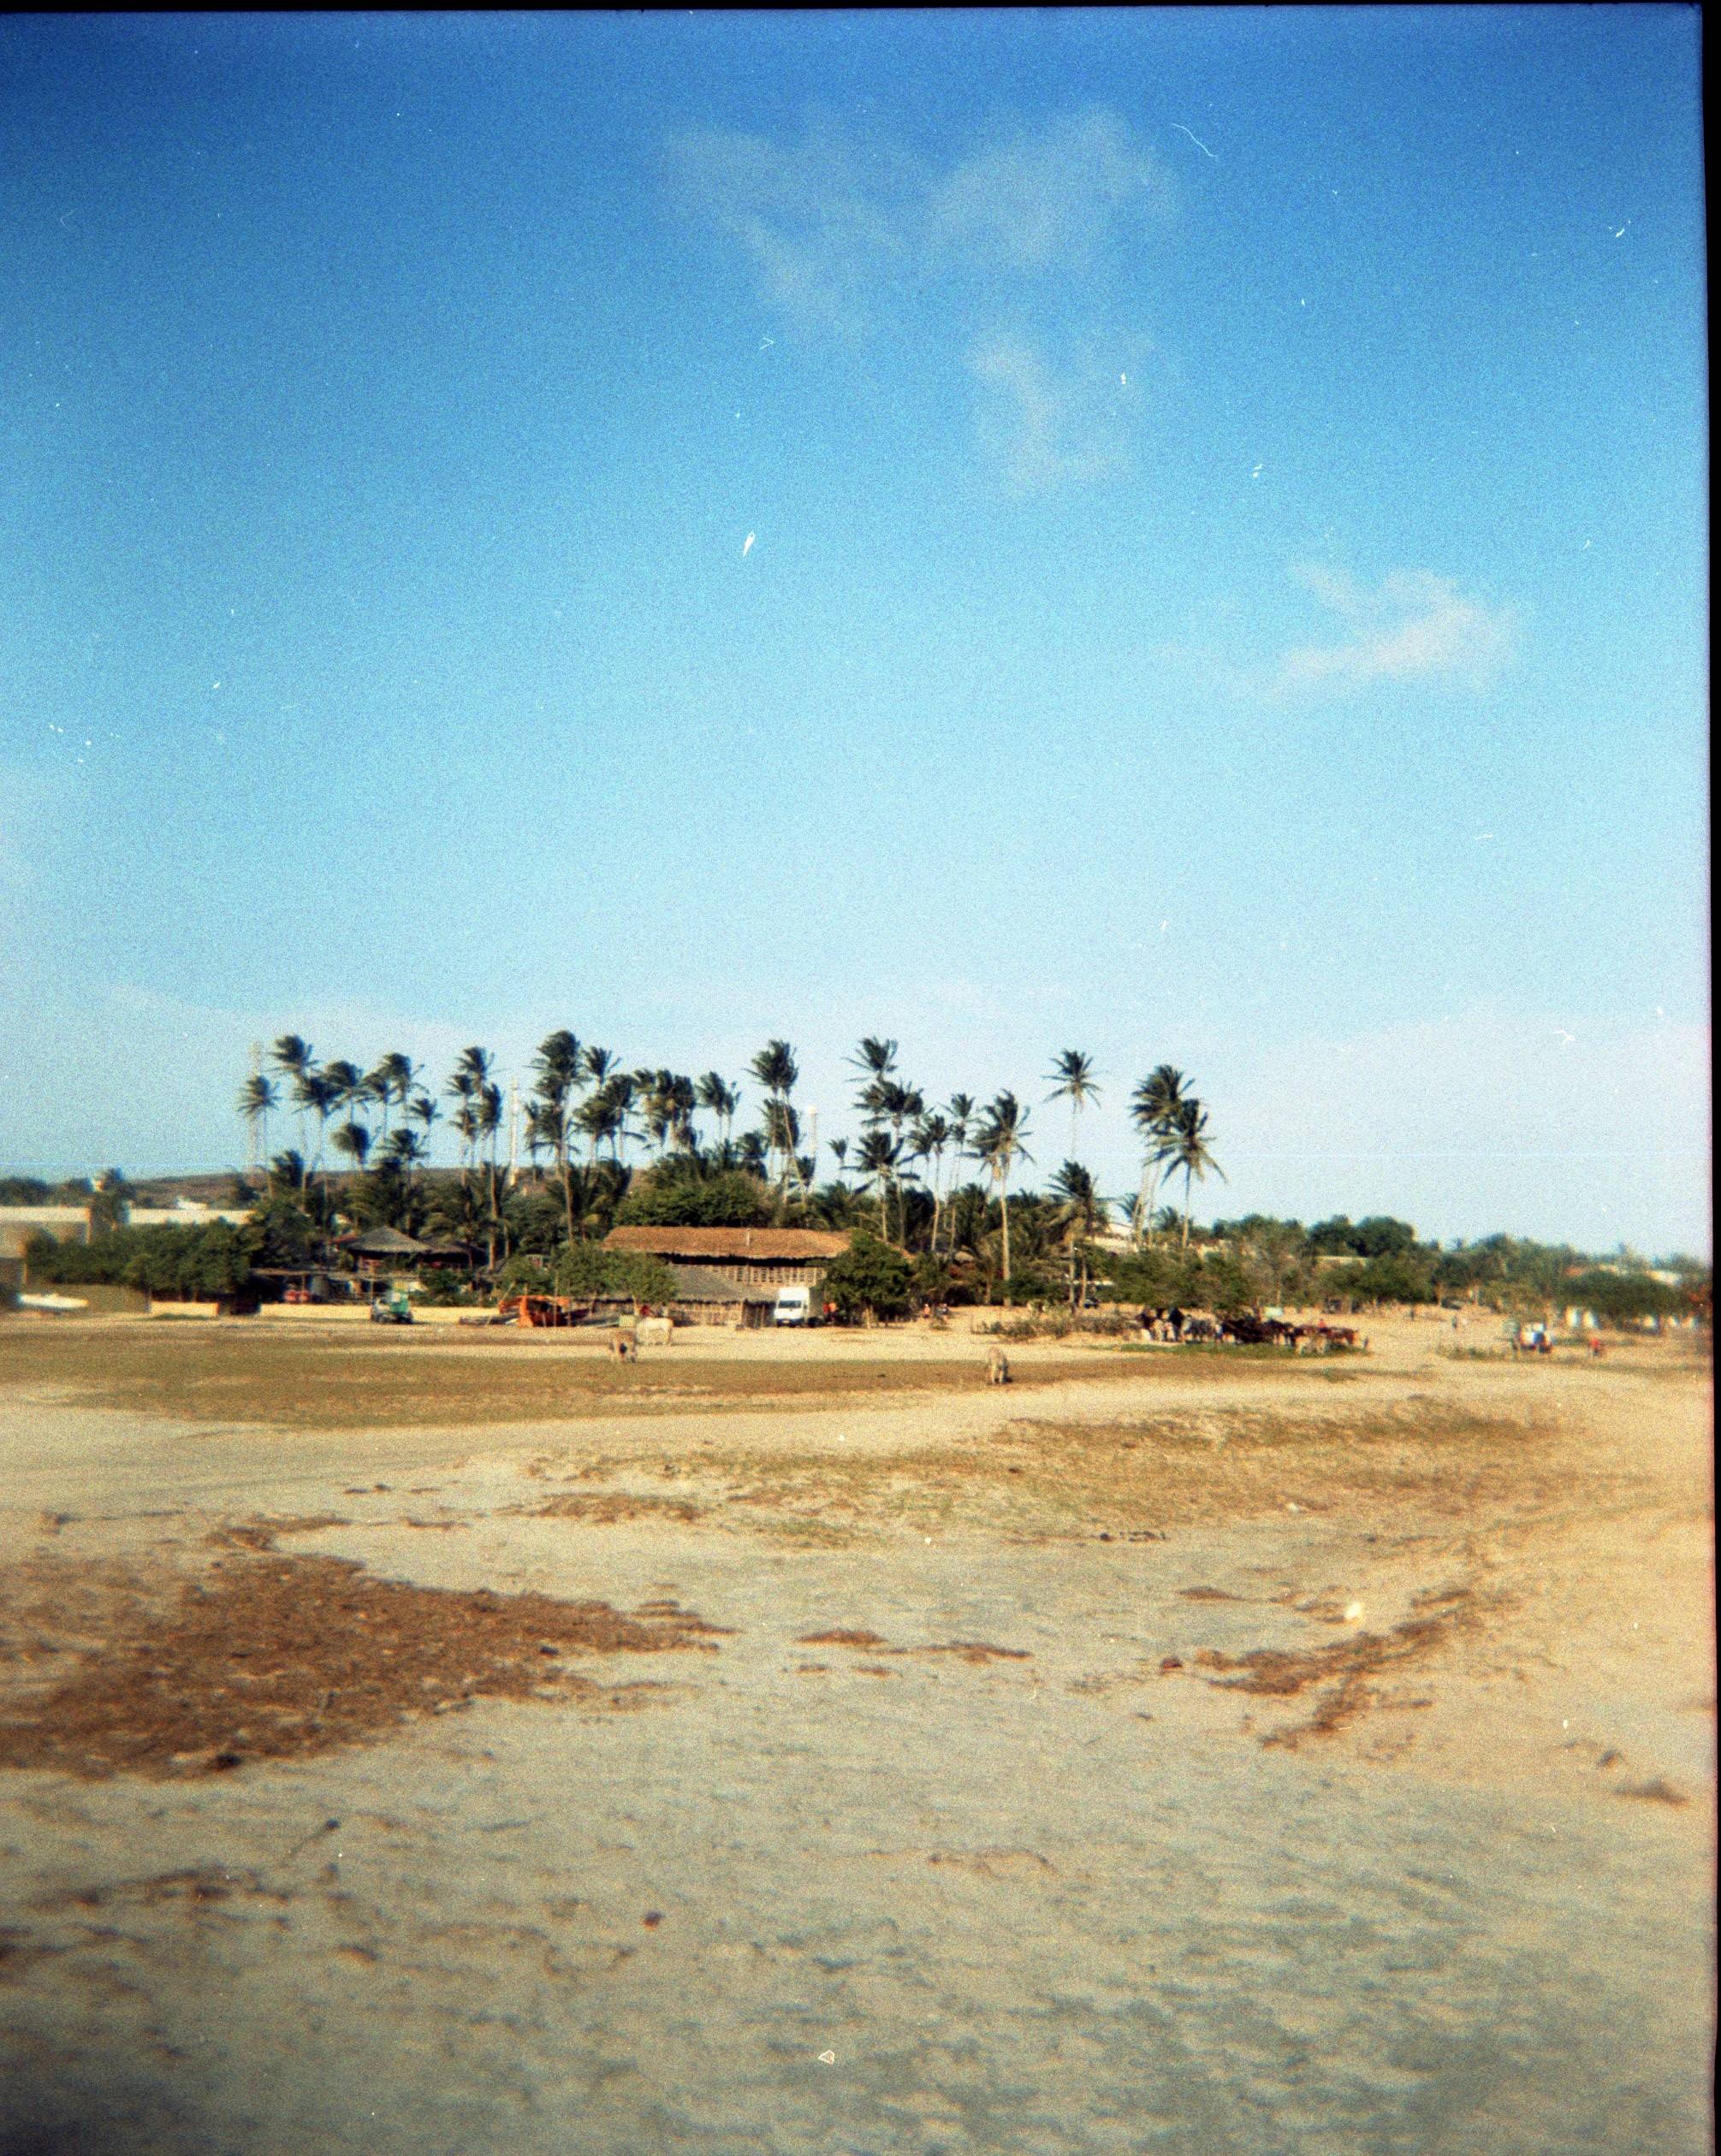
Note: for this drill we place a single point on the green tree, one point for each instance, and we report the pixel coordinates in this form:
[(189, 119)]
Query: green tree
[(1153, 1108), (1186, 1148), (869, 1278), (777, 1072), (998, 1145), (1073, 1071), (259, 1098)]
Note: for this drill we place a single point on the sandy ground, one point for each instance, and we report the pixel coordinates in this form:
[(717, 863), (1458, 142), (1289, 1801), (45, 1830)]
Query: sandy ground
[(1164, 1752)]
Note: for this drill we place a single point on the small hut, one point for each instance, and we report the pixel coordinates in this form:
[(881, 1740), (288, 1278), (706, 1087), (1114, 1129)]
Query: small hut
[(377, 1253)]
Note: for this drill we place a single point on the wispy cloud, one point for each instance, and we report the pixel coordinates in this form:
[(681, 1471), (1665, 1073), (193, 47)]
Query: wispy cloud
[(1046, 423), (1004, 253), (826, 223), (1414, 626), (1048, 199)]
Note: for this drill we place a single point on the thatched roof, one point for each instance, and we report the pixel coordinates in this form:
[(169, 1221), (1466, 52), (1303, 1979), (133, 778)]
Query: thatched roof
[(381, 1242), (726, 1244), (699, 1284)]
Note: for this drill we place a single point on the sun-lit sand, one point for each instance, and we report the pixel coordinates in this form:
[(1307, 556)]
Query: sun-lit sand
[(442, 1741)]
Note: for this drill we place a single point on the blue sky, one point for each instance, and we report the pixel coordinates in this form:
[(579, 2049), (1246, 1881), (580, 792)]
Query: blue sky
[(1180, 534)]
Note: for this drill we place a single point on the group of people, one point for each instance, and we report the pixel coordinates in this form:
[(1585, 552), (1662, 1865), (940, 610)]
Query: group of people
[(1175, 1325)]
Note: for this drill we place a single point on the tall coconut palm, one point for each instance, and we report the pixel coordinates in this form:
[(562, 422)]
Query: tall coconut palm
[(878, 1163), (424, 1111), (462, 1090), (719, 1098), (407, 1150), (353, 1140), (295, 1059), (875, 1055), (1076, 1083), (1081, 1213), (350, 1090), (962, 1111), (258, 1098), (1153, 1108), (559, 1065), (391, 1085), (777, 1071), (840, 1148), (315, 1091), (930, 1138), (1186, 1148), (599, 1066), (998, 1145), (682, 1096)]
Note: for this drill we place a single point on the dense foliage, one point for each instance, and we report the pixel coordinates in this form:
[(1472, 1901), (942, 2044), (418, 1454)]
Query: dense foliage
[(215, 1259), (870, 1280)]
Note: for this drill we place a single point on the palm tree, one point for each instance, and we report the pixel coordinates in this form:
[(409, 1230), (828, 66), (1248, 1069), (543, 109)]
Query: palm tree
[(391, 1084), (423, 1108), (719, 1098), (599, 1064), (405, 1149), (258, 1097), (1153, 1108), (316, 1090), (349, 1087), (961, 1112), (839, 1147), (877, 1162), (1081, 1214), (998, 1145), (295, 1059), (682, 1096), (875, 1055), (777, 1071), (1186, 1148), (354, 1140), (561, 1067), (1074, 1072), (930, 1136)]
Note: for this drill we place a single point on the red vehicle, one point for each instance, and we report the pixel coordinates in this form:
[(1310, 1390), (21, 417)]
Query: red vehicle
[(538, 1312)]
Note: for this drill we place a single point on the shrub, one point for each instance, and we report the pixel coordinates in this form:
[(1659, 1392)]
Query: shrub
[(869, 1276), (588, 1269)]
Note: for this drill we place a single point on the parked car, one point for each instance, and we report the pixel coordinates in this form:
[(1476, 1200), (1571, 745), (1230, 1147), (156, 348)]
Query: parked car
[(793, 1306), (391, 1310)]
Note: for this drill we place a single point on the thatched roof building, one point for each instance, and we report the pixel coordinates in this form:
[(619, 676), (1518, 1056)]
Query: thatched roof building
[(751, 1257)]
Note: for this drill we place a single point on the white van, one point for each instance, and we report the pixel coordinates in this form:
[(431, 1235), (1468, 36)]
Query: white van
[(793, 1306)]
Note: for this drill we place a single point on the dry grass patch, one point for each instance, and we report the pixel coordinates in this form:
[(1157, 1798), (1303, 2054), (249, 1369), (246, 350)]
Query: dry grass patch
[(427, 1379), (611, 1507), (277, 1657), (1132, 1480)]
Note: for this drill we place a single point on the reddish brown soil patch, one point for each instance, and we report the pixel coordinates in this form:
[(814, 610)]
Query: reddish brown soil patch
[(275, 1657), (260, 1534), (969, 1650), (1345, 1667), (1207, 1594), (974, 1650)]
